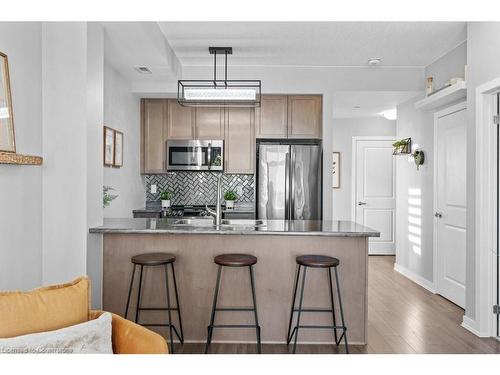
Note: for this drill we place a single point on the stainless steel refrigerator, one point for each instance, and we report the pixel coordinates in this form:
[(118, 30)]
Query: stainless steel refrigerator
[(289, 180)]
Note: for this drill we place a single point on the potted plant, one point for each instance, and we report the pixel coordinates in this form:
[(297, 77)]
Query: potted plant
[(165, 197), (230, 197), (106, 197), (401, 146)]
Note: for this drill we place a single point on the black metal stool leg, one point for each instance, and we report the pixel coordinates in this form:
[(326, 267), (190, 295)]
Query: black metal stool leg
[(257, 326), (214, 306), (169, 311), (341, 311), (300, 309), (129, 292), (288, 336), (181, 338), (137, 307), (330, 282)]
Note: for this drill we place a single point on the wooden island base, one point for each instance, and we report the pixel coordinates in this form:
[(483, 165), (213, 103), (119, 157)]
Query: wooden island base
[(274, 276)]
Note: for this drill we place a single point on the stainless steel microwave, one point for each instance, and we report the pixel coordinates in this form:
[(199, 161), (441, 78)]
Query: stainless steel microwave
[(195, 155)]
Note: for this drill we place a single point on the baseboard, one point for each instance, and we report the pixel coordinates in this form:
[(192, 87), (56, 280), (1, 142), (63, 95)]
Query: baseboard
[(417, 279), (471, 326), (381, 252)]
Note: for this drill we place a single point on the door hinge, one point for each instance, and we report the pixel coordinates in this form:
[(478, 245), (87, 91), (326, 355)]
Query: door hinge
[(496, 309), (496, 119)]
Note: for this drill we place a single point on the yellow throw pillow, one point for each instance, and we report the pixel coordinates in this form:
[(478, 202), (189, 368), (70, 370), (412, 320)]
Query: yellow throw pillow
[(44, 309)]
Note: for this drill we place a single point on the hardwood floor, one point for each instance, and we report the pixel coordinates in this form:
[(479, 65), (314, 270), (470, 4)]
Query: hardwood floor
[(402, 318)]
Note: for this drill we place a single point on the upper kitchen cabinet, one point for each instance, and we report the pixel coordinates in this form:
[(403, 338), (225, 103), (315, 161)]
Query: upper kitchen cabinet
[(271, 117), (153, 134), (239, 140), (180, 121), (209, 123), (304, 116)]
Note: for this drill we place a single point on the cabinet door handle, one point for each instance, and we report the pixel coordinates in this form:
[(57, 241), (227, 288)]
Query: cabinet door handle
[(439, 215), (361, 203)]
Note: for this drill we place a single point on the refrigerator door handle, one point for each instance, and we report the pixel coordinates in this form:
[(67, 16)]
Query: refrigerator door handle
[(287, 186)]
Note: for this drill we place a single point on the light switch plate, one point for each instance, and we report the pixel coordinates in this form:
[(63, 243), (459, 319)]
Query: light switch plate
[(153, 189)]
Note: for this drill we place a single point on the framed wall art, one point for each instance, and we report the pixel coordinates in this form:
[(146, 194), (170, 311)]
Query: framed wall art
[(109, 146), (118, 156), (7, 139), (336, 170)]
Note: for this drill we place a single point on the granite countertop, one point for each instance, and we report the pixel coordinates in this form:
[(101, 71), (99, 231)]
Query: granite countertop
[(272, 227)]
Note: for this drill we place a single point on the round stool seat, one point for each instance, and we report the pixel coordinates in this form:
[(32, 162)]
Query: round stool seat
[(153, 259), (320, 261), (235, 260)]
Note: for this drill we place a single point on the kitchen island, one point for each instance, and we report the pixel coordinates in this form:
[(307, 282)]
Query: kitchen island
[(275, 243)]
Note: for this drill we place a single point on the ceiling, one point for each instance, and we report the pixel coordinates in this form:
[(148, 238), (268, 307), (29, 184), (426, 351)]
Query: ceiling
[(167, 47), (370, 103), (398, 44)]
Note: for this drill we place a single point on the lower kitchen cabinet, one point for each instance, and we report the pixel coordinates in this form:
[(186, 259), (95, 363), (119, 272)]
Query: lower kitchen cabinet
[(239, 145)]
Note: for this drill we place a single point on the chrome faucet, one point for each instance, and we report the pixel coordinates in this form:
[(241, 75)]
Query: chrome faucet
[(217, 213)]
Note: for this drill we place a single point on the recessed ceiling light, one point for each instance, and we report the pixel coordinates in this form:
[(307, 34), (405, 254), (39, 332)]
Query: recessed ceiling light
[(143, 70), (374, 61)]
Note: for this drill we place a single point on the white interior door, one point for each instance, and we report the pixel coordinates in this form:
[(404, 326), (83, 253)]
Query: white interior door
[(450, 204), (374, 186)]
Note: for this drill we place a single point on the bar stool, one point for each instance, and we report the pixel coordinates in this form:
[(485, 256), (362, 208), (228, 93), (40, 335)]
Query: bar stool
[(153, 260), (317, 261), (234, 260)]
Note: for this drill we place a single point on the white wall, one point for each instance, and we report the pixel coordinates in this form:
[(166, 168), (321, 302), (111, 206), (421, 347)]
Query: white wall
[(343, 131), (483, 55), (312, 80), (411, 256), (122, 112), (95, 118), (448, 66), (64, 212), (21, 186), (416, 259)]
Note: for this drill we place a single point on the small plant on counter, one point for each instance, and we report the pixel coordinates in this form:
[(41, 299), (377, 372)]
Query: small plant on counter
[(230, 197), (165, 197), (106, 197)]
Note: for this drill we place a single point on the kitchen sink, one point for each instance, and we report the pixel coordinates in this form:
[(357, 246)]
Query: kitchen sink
[(208, 222), (243, 223)]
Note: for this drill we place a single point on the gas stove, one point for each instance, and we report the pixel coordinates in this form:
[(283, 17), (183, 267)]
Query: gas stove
[(186, 211)]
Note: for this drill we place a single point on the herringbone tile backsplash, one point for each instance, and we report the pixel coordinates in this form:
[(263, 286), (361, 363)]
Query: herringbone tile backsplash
[(198, 188)]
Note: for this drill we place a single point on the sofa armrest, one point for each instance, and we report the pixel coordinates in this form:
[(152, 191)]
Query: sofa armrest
[(131, 338)]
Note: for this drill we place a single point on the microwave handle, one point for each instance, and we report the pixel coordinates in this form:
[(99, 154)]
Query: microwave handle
[(209, 155)]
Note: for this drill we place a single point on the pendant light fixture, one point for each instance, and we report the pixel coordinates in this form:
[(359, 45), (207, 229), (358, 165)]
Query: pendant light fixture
[(219, 92)]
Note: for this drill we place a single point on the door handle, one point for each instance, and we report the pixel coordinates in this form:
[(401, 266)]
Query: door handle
[(438, 215), (361, 203), (209, 151)]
